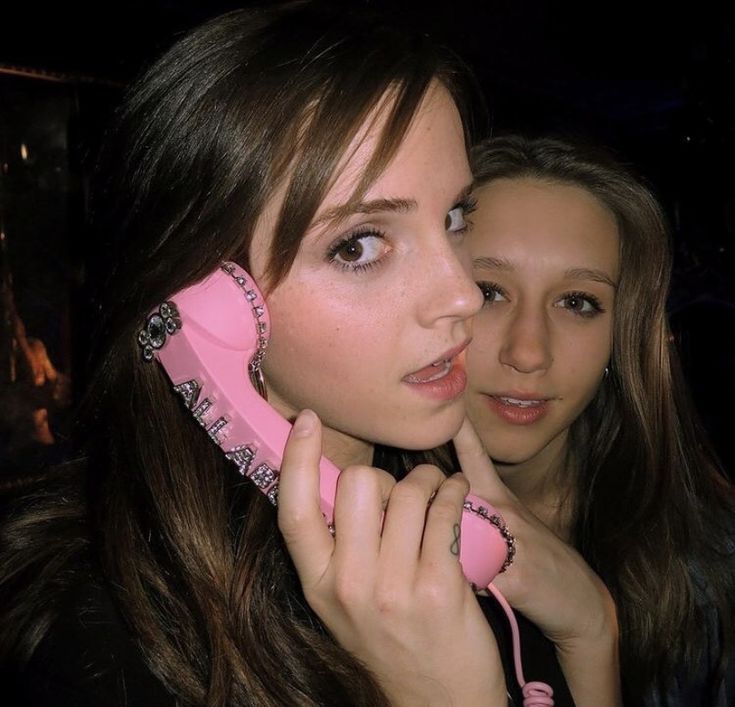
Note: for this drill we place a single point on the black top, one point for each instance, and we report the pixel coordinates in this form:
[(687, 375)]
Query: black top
[(89, 659), (540, 663)]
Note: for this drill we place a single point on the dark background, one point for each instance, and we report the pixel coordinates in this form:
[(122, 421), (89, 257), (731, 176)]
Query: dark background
[(652, 81)]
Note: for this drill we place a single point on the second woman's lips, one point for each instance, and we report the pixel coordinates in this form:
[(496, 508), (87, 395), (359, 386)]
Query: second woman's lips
[(518, 410)]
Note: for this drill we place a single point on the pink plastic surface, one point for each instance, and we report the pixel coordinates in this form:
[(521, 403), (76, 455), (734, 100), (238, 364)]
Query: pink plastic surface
[(217, 340)]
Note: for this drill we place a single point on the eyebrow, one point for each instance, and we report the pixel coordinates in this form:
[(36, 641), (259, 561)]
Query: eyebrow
[(344, 211), (503, 265), (401, 206), (590, 274)]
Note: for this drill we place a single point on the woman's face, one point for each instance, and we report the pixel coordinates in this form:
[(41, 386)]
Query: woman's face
[(369, 325), (545, 256)]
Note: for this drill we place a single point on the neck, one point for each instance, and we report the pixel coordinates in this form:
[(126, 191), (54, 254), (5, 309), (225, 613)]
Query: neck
[(542, 485)]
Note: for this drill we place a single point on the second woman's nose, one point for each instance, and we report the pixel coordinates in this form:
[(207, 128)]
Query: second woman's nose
[(526, 344)]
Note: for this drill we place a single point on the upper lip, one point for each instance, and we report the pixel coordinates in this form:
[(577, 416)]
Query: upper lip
[(447, 355)]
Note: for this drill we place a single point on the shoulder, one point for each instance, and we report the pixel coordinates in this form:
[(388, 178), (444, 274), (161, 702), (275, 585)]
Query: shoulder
[(88, 658)]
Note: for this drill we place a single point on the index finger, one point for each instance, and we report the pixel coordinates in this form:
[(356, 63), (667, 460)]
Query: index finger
[(477, 465)]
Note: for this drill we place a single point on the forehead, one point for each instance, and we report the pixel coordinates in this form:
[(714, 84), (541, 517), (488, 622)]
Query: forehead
[(435, 134), (430, 156), (526, 216)]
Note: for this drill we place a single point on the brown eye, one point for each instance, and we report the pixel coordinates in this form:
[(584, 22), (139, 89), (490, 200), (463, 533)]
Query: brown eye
[(491, 292), (359, 251), (351, 251), (580, 303)]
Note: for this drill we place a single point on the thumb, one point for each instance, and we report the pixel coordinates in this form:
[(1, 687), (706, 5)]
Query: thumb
[(300, 518), (477, 465)]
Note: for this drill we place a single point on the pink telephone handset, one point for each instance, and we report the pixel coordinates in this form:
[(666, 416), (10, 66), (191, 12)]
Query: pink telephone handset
[(218, 333), (211, 338)]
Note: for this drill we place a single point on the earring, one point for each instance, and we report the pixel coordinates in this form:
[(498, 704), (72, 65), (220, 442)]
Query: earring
[(256, 376), (607, 371)]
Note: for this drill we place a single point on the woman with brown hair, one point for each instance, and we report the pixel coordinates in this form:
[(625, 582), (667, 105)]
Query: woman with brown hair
[(326, 154), (576, 394)]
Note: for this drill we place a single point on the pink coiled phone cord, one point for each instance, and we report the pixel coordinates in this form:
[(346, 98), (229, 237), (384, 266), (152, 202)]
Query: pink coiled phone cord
[(535, 694)]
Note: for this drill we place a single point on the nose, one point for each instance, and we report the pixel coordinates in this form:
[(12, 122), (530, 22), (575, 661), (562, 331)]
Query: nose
[(526, 345), (447, 290)]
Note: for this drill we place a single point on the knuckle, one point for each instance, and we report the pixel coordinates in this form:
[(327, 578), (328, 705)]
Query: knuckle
[(421, 483), (291, 525), (389, 601), (359, 475), (428, 473), (348, 590), (458, 483), (445, 509), (433, 594), (404, 493)]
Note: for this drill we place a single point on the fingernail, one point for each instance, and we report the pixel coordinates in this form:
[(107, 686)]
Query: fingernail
[(304, 424)]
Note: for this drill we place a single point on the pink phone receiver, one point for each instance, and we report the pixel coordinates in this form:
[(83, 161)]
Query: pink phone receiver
[(210, 339)]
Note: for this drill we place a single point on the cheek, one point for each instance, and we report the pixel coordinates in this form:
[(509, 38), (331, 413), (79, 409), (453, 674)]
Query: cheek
[(320, 336), (584, 357), (482, 352)]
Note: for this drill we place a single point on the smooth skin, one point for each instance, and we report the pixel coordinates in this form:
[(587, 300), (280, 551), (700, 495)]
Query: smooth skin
[(372, 297), (546, 256), (396, 599), (552, 585)]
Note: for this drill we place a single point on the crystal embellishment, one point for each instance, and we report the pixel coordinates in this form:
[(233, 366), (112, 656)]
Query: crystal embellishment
[(242, 457), (261, 328), (499, 523), (189, 391), (216, 427), (263, 476), (165, 322)]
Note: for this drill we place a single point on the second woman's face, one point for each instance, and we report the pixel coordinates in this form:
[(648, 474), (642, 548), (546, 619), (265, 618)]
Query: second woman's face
[(546, 257), (369, 324)]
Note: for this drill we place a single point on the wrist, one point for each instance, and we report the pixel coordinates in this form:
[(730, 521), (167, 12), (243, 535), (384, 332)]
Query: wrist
[(591, 668)]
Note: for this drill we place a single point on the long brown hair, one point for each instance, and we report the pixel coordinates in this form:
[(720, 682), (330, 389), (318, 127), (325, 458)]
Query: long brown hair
[(653, 515), (242, 106)]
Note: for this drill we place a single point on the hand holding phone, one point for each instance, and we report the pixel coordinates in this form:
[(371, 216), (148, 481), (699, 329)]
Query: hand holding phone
[(211, 338), (387, 586)]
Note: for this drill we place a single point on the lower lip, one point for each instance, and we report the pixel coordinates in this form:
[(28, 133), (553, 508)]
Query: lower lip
[(515, 415), (447, 388)]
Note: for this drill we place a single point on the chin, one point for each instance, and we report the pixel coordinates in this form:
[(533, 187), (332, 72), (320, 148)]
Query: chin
[(428, 434), (510, 455)]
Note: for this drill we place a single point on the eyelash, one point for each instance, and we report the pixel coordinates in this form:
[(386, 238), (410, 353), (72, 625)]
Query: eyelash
[(490, 287), (349, 240), (597, 307), (487, 287), (468, 204)]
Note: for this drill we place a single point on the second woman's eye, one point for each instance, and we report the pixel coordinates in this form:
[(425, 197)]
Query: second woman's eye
[(491, 292), (358, 251), (581, 303)]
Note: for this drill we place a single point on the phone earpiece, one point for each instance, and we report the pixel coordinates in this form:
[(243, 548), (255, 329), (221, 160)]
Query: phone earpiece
[(211, 358)]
